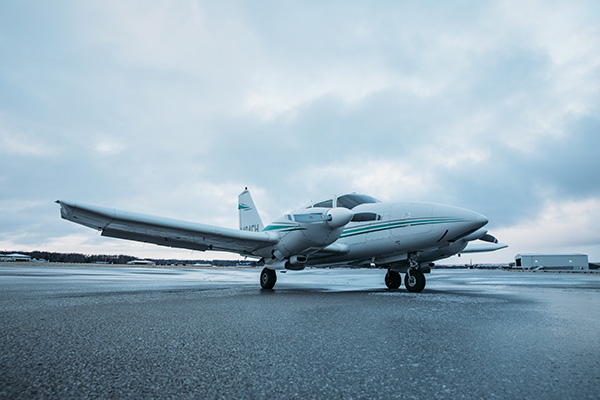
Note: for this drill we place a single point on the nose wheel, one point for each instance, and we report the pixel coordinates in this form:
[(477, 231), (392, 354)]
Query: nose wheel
[(414, 281)]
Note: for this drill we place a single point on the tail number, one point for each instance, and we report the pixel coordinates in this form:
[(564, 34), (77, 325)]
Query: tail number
[(251, 228)]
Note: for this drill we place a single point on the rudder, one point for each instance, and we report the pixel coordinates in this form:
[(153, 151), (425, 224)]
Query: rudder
[(248, 215)]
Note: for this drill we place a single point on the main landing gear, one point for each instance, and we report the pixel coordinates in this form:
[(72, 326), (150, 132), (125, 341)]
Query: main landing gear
[(268, 277), (414, 280)]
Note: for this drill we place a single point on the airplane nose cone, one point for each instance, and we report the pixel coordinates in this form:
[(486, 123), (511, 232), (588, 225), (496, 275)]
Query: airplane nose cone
[(481, 220), (467, 220)]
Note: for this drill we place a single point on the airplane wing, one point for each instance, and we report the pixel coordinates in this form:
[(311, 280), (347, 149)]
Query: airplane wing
[(483, 247), (165, 231)]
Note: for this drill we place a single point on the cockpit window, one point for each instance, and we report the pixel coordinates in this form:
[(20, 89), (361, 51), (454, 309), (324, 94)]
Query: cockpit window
[(325, 204), (350, 201)]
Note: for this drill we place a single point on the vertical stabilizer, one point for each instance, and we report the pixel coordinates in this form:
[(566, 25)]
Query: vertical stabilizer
[(249, 218)]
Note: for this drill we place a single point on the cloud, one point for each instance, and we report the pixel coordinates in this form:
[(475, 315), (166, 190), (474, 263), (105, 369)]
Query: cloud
[(559, 227), (21, 141), (173, 108), (108, 147)]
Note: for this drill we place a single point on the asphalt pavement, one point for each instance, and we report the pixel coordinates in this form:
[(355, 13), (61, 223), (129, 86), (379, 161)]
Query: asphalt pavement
[(158, 333)]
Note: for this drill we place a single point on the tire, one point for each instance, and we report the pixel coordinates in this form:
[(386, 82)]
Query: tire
[(393, 279), (415, 282), (268, 277)]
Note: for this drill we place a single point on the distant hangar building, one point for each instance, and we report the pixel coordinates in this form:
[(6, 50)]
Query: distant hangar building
[(14, 257), (559, 262)]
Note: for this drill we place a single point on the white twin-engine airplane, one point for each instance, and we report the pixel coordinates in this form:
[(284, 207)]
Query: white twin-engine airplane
[(353, 229)]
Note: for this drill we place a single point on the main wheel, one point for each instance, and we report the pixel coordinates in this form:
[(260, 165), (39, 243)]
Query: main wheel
[(415, 281), (268, 277), (392, 279)]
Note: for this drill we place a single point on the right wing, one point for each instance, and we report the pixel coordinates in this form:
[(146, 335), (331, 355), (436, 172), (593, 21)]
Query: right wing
[(165, 231), (483, 247)]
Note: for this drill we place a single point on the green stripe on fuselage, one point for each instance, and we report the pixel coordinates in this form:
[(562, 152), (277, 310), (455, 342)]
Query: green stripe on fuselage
[(398, 224), (282, 228)]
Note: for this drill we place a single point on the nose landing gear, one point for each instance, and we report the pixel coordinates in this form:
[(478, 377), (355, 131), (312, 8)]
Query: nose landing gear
[(414, 281)]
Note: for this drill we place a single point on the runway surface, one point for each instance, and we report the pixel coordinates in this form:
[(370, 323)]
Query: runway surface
[(101, 332)]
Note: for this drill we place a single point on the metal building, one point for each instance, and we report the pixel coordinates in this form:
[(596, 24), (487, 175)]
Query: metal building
[(565, 262), (14, 257)]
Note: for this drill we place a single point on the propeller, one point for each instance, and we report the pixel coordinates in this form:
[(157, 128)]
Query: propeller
[(339, 217)]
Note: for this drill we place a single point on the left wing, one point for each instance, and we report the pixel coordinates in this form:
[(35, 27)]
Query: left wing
[(165, 231)]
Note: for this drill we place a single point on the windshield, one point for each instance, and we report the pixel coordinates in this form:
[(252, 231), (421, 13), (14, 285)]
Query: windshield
[(350, 201), (324, 204)]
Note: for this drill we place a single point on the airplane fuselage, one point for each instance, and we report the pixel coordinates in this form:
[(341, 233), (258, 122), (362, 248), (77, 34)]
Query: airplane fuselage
[(385, 233)]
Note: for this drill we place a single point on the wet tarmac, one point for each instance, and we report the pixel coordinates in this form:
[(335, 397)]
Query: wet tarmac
[(101, 332)]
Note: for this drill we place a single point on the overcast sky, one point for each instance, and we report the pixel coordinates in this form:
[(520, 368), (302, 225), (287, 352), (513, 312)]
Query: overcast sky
[(172, 108)]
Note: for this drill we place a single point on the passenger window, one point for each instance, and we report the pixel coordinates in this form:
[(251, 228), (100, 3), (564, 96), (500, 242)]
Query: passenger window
[(366, 216)]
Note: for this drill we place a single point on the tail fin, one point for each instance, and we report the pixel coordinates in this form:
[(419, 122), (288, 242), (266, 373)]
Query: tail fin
[(249, 218)]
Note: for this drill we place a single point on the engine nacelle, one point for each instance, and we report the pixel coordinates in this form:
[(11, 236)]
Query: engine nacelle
[(298, 260), (475, 235), (294, 263), (307, 231)]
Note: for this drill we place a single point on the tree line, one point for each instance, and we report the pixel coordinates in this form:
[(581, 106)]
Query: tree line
[(78, 258)]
